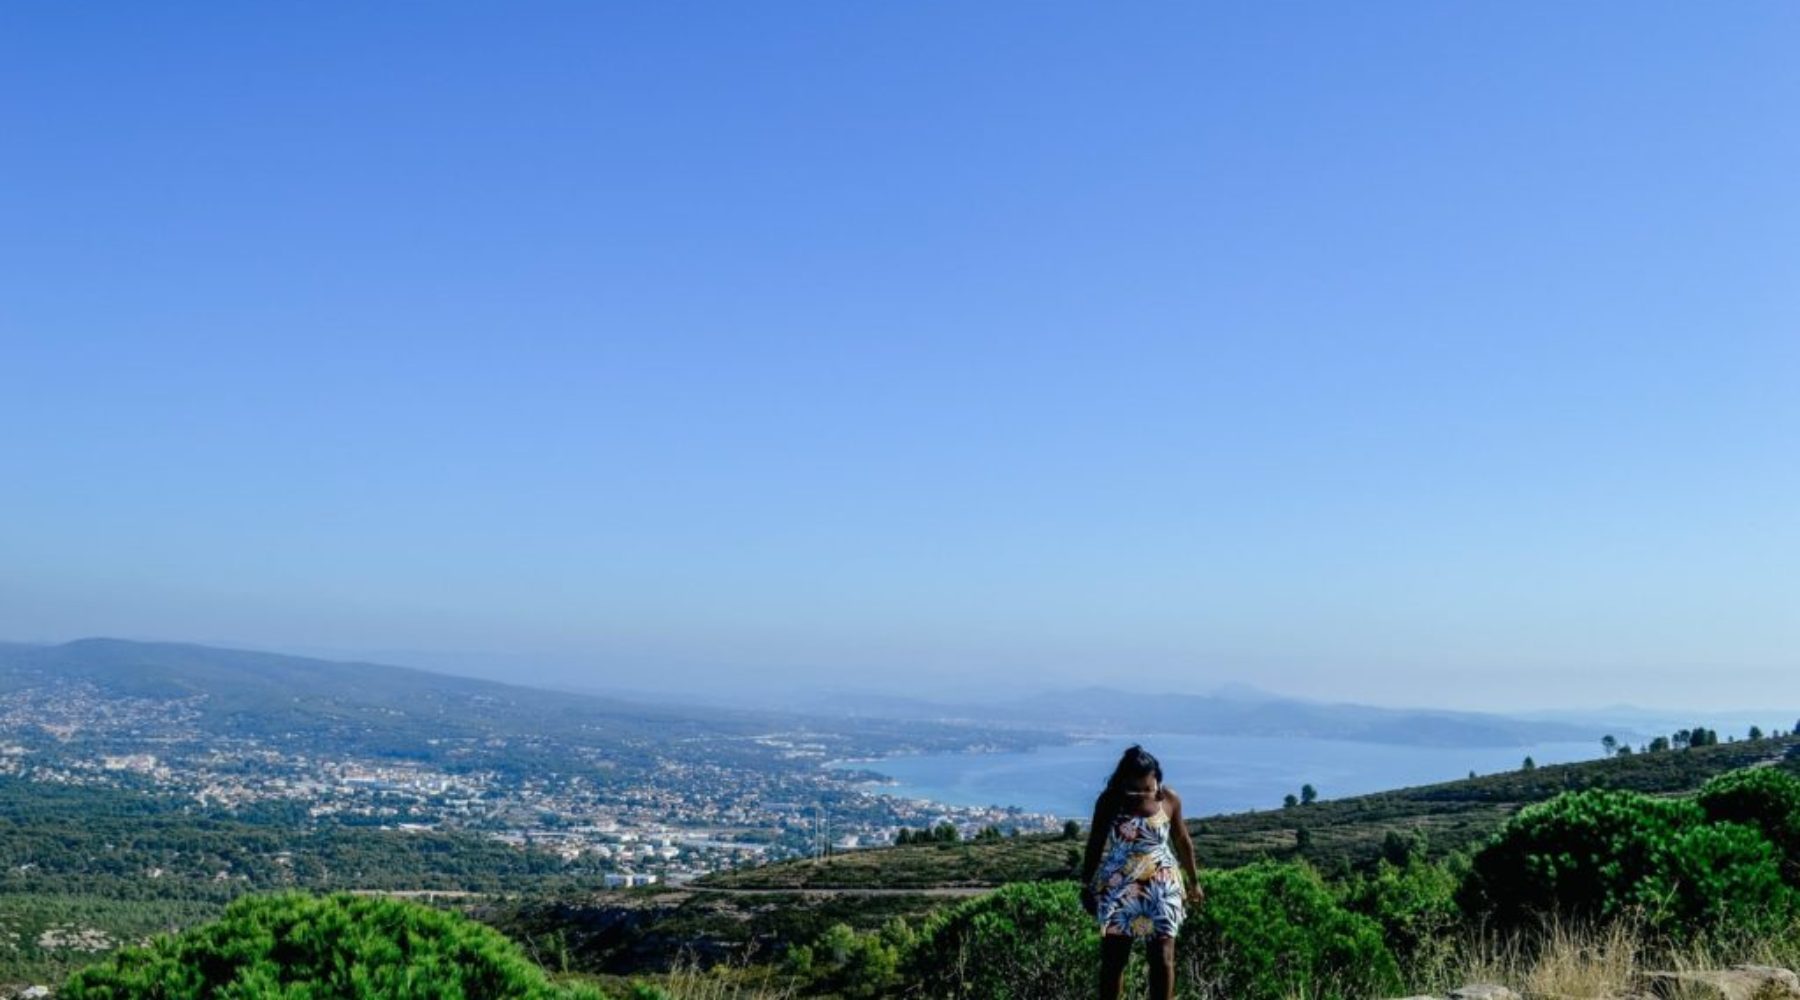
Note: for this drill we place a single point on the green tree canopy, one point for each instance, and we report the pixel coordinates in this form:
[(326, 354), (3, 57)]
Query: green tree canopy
[(1274, 930), (1602, 854), (294, 946), (1766, 798), (1023, 941)]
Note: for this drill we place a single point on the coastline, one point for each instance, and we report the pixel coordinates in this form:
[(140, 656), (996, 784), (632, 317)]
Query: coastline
[(1228, 774)]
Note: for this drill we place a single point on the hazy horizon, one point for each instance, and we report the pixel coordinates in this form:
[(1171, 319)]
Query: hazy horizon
[(1624, 715), (1402, 355)]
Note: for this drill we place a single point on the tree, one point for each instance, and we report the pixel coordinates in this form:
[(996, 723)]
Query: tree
[(1288, 801), (1071, 830), (903, 837), (1764, 797), (1625, 750), (1272, 930), (1308, 795), (1303, 839), (1610, 744), (294, 945), (1602, 854), (797, 960), (1399, 848), (1529, 764), (1756, 732), (1023, 941), (1415, 904), (1659, 745)]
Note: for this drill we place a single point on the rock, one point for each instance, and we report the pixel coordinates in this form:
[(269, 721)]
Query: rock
[(1477, 991), (1483, 991), (1740, 982)]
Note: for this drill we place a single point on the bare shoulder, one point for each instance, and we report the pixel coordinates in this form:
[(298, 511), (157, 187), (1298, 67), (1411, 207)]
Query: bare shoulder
[(1174, 799)]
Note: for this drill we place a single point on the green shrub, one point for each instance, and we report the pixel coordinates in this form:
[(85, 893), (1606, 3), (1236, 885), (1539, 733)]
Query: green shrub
[(1025, 941), (298, 947), (797, 961), (1272, 930), (1415, 904), (1766, 798), (1268, 932), (851, 964), (1723, 876), (1598, 855)]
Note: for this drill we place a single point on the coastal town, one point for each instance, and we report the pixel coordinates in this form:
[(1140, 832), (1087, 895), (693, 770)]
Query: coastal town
[(688, 811)]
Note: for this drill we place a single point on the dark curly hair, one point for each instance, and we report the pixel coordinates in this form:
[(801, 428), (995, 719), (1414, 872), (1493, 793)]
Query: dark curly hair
[(1133, 764)]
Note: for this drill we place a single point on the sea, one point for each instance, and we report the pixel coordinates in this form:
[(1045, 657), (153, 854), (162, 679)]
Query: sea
[(1214, 774)]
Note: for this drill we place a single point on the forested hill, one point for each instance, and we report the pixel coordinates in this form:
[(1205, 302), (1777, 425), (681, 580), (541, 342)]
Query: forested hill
[(245, 689), (1331, 833), (388, 711)]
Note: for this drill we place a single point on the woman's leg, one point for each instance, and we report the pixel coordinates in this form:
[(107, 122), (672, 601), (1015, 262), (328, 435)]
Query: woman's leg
[(1115, 951), (1160, 950)]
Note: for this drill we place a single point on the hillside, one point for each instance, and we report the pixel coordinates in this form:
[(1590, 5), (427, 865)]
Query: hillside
[(756, 911), (1453, 815), (338, 708), (247, 691)]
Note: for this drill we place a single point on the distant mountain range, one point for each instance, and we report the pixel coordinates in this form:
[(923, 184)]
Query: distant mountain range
[(331, 710), (370, 703), (389, 711), (1235, 711), (269, 691)]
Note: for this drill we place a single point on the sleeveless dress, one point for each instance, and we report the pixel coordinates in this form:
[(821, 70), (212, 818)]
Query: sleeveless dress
[(1138, 884)]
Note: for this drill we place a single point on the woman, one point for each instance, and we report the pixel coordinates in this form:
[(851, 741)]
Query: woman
[(1129, 876)]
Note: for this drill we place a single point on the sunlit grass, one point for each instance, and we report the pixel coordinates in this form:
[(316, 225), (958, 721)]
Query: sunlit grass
[(1567, 962)]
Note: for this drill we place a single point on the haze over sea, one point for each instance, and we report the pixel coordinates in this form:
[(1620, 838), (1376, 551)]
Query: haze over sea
[(1214, 774)]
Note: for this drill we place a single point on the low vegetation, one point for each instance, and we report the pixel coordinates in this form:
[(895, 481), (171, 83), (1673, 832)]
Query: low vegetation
[(297, 946), (1608, 873)]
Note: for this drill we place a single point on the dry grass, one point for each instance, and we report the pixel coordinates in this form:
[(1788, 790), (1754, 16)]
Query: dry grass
[(1577, 963), (1560, 963), (688, 981)]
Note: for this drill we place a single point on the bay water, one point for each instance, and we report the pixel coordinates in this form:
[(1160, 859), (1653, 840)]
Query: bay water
[(1213, 774)]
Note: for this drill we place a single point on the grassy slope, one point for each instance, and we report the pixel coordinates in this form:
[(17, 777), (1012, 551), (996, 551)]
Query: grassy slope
[(1454, 815), (645, 929)]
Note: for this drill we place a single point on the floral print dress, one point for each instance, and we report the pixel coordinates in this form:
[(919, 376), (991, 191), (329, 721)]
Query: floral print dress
[(1138, 884)]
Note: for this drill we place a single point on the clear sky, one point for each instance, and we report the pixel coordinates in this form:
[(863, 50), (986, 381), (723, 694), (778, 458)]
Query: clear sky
[(1408, 352)]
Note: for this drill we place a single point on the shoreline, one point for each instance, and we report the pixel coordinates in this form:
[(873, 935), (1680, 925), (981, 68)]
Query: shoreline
[(1233, 773)]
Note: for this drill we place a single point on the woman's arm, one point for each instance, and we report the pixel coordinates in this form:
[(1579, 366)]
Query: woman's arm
[(1096, 842), (1184, 841)]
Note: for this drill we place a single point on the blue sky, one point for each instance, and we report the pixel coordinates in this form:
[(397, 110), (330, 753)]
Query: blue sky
[(1408, 353)]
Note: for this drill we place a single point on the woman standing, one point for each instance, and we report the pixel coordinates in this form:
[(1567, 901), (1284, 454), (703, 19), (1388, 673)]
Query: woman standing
[(1130, 879)]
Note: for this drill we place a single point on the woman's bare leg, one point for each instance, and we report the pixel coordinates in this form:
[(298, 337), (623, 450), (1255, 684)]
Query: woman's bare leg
[(1160, 950), (1115, 951)]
